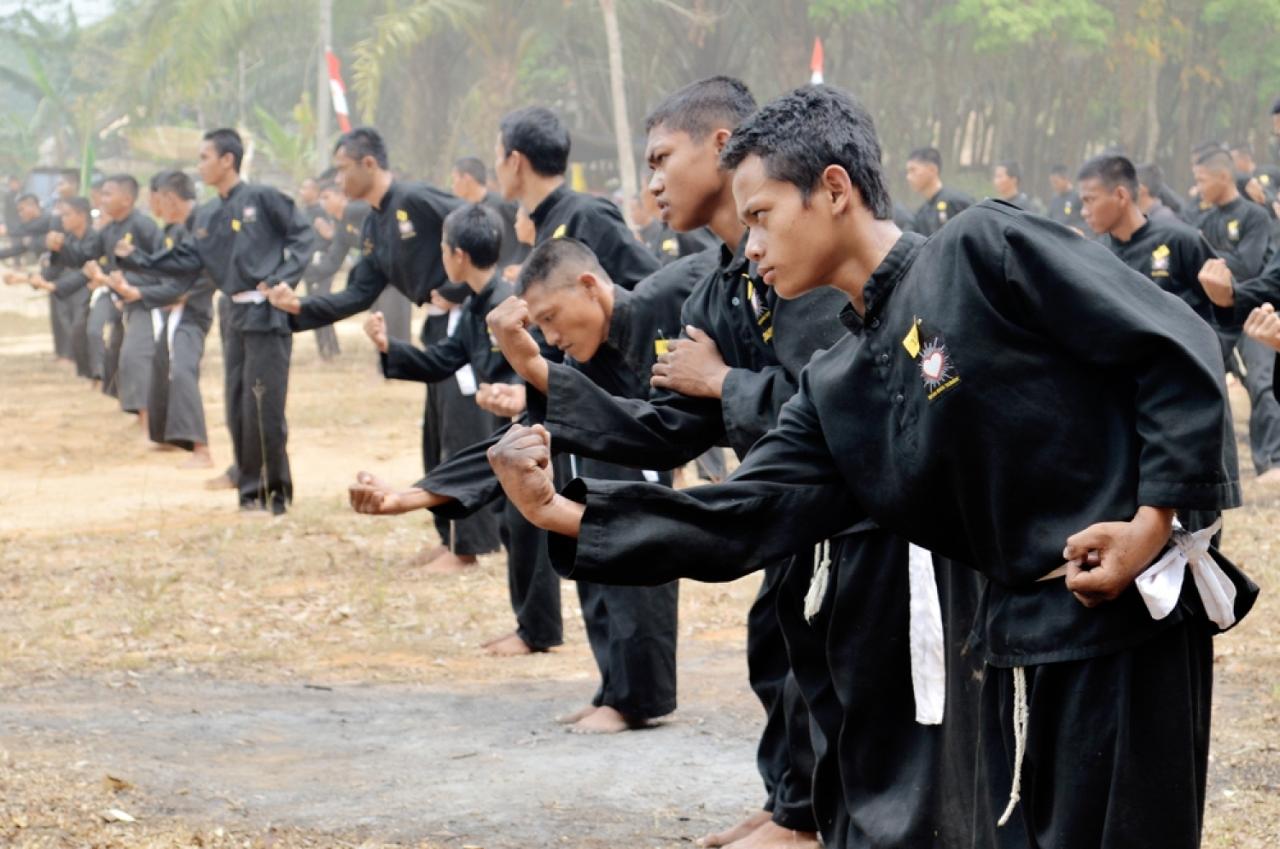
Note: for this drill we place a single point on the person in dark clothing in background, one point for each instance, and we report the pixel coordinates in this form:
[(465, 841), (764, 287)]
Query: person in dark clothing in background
[(1151, 191), (468, 181), (941, 204), (1065, 205), (343, 224), (1006, 178)]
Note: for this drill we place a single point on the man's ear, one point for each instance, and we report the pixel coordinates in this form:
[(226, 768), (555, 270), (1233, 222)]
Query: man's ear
[(590, 283), (838, 190), (721, 138)]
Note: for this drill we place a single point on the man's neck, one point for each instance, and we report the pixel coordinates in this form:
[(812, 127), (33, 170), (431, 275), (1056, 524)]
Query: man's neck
[(1129, 223), (475, 194), (381, 185), (181, 214), (79, 231), (1228, 196), (1011, 195), (122, 217), (477, 278), (932, 189), (870, 241), (228, 183), (724, 221), (536, 189)]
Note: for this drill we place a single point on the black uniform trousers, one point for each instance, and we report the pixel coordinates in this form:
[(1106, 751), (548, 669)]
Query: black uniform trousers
[(257, 382), (177, 411), (104, 334), (1254, 365)]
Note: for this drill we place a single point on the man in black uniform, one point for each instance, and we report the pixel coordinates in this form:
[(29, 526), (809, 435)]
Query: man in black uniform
[(343, 223), (531, 156), (1006, 178), (469, 182), (400, 242), (136, 321), (1151, 194), (924, 176), (611, 337), (919, 421), (472, 243), (64, 278), (33, 225), (250, 240), (177, 410), (1239, 231), (1065, 205)]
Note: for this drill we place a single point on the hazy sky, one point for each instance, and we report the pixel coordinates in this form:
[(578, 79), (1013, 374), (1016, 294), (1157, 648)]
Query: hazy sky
[(87, 11)]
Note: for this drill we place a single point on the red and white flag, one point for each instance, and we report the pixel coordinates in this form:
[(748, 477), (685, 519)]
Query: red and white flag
[(815, 63), (338, 91)]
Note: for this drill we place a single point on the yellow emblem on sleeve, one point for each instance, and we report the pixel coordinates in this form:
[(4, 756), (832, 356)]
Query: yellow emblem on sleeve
[(560, 231), (661, 346)]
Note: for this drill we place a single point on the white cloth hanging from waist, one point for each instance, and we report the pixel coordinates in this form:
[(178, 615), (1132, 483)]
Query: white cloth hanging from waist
[(924, 627), (251, 296), (157, 324), (1160, 585)]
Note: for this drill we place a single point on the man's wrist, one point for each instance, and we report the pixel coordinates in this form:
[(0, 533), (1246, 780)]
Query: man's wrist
[(562, 516), (536, 372)]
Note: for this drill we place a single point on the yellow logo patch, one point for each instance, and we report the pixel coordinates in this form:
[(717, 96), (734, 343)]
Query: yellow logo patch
[(235, 224), (560, 231), (912, 340), (661, 346)]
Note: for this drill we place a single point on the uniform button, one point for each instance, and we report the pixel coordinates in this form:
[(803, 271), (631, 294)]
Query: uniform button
[(884, 358), (875, 322), (899, 398), (737, 302)]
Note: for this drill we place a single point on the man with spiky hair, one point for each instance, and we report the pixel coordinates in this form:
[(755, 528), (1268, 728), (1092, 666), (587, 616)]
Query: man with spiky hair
[(249, 240), (964, 384)]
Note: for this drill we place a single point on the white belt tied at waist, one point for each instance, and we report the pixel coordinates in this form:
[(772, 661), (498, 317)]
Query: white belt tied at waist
[(1160, 586), (252, 296), (928, 649)]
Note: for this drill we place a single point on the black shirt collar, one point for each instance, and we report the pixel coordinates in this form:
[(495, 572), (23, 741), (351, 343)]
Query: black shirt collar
[(620, 321), (882, 282), (480, 301), (549, 202)]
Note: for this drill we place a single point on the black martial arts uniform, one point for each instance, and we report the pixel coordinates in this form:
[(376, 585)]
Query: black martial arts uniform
[(1025, 202), (176, 408), (967, 412), (253, 235), (632, 630), (1170, 254), (70, 298), (135, 321), (599, 225), (319, 274), (1240, 233), (668, 246), (400, 248), (734, 307), (29, 237), (1065, 209), (511, 251), (461, 422), (945, 204)]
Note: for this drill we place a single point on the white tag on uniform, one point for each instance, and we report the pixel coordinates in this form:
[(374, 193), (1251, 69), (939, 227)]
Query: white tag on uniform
[(157, 324)]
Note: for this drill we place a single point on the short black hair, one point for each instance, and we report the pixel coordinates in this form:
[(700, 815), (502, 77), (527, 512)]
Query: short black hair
[(476, 230), (703, 107), (1150, 175), (154, 184), (1112, 171), (473, 167), (79, 204), (1012, 168), (1060, 170), (226, 140), (931, 155), (801, 133), (28, 198), (179, 184), (548, 259), (362, 142), (1215, 157), (1275, 106), (126, 182), (540, 135)]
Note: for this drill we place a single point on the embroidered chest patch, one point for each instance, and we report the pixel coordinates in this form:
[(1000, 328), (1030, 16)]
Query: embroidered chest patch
[(933, 358), (250, 214), (1233, 230), (405, 225), (1160, 261)]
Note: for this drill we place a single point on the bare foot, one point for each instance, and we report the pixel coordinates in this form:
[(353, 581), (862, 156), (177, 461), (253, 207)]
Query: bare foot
[(739, 831), (428, 555), (160, 447), (95, 385), (605, 720), (197, 460), (509, 646), (770, 835), (571, 718), (222, 481), (1270, 477), (451, 564)]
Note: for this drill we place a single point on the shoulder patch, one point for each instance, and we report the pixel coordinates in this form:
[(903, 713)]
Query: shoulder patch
[(560, 231)]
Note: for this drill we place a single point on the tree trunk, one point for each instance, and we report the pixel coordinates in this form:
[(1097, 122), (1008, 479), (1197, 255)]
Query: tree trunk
[(323, 104), (621, 124)]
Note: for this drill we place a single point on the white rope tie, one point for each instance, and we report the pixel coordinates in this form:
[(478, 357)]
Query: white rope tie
[(821, 577), (1021, 713)]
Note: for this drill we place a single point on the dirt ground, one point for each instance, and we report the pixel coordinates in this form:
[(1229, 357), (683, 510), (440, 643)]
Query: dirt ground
[(172, 675)]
